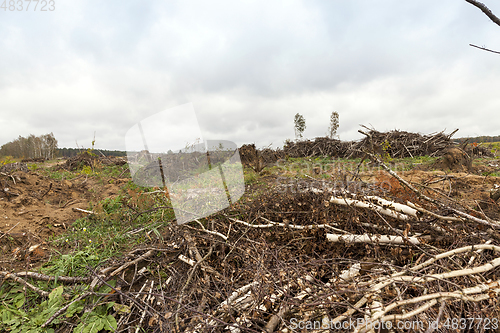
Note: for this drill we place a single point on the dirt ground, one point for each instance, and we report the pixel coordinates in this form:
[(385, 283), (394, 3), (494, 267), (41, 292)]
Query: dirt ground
[(34, 207)]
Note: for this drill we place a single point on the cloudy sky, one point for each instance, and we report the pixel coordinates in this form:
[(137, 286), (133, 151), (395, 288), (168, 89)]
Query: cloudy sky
[(247, 67)]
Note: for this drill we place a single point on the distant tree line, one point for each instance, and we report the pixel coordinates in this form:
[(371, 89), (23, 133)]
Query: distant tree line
[(480, 139), (70, 152), (43, 146)]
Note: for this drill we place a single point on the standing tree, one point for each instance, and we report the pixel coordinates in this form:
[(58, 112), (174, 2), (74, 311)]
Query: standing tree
[(334, 124), (300, 125), (31, 147)]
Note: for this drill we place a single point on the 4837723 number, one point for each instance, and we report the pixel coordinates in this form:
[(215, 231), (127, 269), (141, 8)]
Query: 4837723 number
[(24, 5), (469, 323)]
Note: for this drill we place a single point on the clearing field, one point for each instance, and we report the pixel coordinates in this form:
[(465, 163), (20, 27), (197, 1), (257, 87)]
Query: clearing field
[(337, 242)]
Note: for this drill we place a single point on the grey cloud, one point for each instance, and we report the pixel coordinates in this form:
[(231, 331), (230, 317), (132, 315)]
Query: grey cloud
[(248, 68)]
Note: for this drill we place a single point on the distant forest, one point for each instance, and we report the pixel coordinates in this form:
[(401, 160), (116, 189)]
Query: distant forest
[(43, 146), (70, 152), (479, 139)]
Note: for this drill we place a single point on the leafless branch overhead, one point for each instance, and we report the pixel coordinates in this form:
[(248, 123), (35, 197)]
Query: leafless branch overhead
[(485, 10)]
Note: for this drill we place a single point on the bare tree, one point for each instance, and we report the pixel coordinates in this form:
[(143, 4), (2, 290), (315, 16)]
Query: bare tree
[(300, 125), (334, 124), (31, 147)]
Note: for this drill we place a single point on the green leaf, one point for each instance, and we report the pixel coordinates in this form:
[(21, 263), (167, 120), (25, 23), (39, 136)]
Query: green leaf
[(46, 309), (110, 323), (55, 295), (19, 300), (94, 325), (121, 308), (105, 289), (6, 316), (76, 307), (11, 316)]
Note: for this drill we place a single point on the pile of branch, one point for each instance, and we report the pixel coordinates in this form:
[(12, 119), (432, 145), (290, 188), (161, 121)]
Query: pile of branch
[(315, 257), (396, 144), (11, 167), (259, 158), (481, 151), (321, 146), (35, 160), (400, 144), (80, 161)]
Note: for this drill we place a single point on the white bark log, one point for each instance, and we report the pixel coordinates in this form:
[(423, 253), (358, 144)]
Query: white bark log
[(369, 205), (372, 239)]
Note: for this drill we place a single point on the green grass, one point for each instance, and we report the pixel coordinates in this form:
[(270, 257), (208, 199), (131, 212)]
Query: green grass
[(250, 176), (322, 167), (57, 174), (98, 172)]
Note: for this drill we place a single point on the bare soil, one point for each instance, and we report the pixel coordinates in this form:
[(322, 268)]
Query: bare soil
[(34, 207)]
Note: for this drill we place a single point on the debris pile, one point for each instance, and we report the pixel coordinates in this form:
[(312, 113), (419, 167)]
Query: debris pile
[(11, 167), (311, 254), (480, 151), (321, 146), (401, 144), (35, 160), (89, 159), (394, 144), (80, 161), (257, 159)]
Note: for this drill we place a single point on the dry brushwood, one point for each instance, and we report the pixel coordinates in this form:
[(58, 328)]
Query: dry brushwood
[(400, 144), (313, 255), (395, 144)]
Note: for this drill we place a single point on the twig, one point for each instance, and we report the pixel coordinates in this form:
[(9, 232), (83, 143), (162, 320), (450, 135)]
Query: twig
[(16, 278), (425, 211), (96, 284), (9, 230), (207, 231), (43, 277), (144, 312), (431, 328), (50, 187), (199, 261), (369, 205), (133, 262), (82, 211), (64, 308)]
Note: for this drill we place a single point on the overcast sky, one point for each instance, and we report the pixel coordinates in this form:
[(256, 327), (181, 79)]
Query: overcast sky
[(248, 67)]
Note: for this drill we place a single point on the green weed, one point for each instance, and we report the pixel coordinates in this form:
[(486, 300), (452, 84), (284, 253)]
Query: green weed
[(6, 160), (18, 318)]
